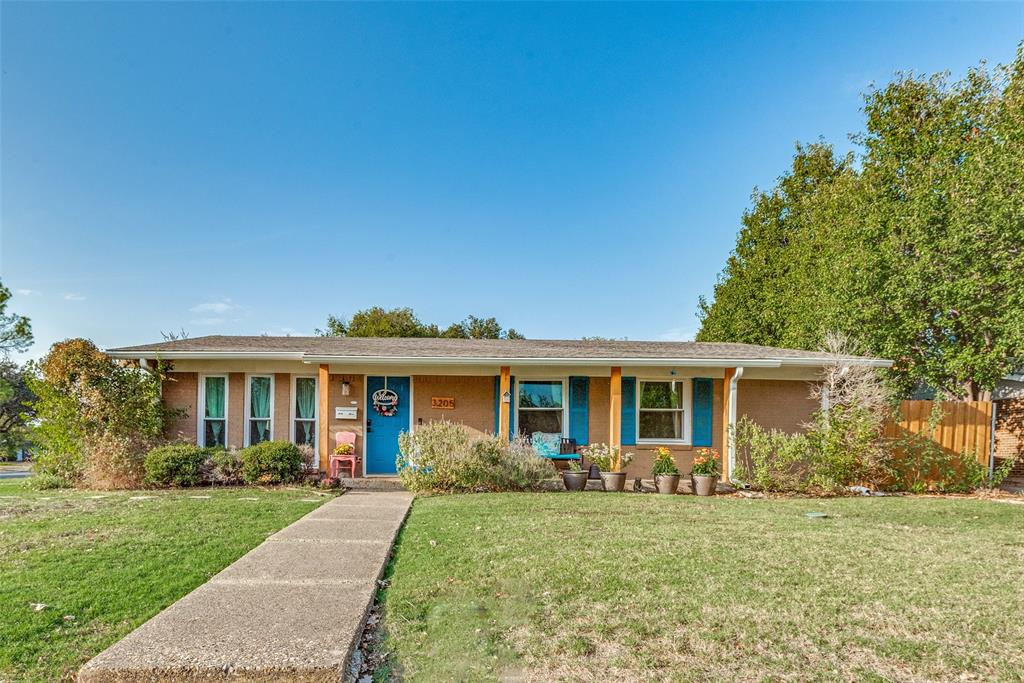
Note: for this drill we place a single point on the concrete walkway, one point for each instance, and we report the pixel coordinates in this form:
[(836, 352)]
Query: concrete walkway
[(292, 609)]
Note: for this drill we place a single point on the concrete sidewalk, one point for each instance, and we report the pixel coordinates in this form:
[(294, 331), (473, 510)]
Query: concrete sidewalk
[(292, 609)]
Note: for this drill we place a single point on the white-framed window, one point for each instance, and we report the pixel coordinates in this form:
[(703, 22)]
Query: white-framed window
[(213, 410), (541, 406), (259, 409), (662, 415), (305, 409)]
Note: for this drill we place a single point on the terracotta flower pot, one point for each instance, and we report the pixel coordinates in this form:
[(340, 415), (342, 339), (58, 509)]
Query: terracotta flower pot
[(574, 481), (667, 483), (704, 484), (613, 481)]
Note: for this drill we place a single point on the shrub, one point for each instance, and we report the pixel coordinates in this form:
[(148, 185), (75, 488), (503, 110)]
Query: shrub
[(429, 456), (271, 462), (45, 481), (499, 465), (308, 457), (176, 465), (115, 461), (440, 457), (227, 466), (771, 460)]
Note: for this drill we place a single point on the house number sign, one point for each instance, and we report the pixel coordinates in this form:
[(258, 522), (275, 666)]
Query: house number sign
[(442, 402)]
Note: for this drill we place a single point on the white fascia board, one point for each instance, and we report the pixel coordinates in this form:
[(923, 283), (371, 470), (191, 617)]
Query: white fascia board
[(450, 360), (208, 355), (470, 360), (822, 362)]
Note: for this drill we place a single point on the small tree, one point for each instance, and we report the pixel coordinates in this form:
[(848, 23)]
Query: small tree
[(97, 417)]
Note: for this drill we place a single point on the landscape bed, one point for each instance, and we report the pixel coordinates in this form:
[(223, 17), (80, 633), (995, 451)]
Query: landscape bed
[(104, 562), (627, 587)]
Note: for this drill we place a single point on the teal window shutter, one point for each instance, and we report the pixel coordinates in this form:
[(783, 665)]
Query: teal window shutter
[(629, 411), (579, 415), (703, 411)]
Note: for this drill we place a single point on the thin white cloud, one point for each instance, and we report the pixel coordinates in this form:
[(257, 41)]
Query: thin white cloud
[(221, 306), (27, 292), (73, 296), (678, 334)]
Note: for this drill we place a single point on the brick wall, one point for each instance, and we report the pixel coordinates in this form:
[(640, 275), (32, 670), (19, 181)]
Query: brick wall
[(474, 401), (181, 392), (282, 406), (335, 399), (1010, 432), (236, 410), (776, 404)]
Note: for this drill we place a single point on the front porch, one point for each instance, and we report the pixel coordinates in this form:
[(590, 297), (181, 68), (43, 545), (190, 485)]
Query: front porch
[(649, 407)]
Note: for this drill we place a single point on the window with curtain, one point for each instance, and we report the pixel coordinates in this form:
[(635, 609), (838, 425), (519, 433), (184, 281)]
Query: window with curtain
[(541, 407), (305, 410), (260, 392), (661, 411), (215, 424)]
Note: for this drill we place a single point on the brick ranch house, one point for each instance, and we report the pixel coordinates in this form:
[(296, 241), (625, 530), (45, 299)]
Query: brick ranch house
[(236, 391)]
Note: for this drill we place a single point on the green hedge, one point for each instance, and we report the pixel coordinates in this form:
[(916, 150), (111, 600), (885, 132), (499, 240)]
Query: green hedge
[(175, 465), (271, 462)]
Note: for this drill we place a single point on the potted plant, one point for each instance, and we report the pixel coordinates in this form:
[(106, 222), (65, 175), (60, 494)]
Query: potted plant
[(610, 460), (574, 476), (705, 471), (664, 471)]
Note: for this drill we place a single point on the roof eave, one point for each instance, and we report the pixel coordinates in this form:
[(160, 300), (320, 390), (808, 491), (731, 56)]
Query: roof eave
[(206, 355), (488, 360)]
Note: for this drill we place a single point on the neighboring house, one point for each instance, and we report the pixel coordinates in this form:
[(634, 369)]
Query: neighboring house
[(236, 391), (1009, 410)]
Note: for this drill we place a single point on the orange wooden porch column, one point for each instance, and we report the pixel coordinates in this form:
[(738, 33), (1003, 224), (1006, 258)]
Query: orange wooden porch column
[(729, 373), (504, 387), (615, 409), (324, 439)]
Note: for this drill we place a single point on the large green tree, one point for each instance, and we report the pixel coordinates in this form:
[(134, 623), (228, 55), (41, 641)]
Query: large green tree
[(403, 322), (769, 292), (914, 247)]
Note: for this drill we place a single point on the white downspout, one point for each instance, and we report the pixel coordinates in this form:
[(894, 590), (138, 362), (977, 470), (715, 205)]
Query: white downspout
[(731, 446), (992, 441)]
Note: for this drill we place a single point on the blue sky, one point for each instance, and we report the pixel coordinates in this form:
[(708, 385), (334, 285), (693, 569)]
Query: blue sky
[(571, 169)]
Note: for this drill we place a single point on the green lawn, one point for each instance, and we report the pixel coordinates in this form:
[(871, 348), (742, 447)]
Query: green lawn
[(597, 586), (112, 562)]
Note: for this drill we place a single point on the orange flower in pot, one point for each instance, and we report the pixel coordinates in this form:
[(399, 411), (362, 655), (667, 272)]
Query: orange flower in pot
[(704, 475)]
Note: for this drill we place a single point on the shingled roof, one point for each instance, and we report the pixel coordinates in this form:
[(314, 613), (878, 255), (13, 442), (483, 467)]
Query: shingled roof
[(469, 350)]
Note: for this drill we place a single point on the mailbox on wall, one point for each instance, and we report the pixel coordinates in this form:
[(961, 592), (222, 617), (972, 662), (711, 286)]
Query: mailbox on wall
[(346, 413)]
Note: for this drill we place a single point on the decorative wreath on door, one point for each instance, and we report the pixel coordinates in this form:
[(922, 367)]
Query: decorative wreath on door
[(385, 401)]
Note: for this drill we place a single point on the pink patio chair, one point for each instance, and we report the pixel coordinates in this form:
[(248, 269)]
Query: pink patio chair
[(350, 461)]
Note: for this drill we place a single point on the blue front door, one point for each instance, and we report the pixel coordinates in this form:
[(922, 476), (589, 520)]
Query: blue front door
[(382, 430)]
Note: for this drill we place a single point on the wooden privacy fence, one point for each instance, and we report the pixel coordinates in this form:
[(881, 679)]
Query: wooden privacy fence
[(966, 426)]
